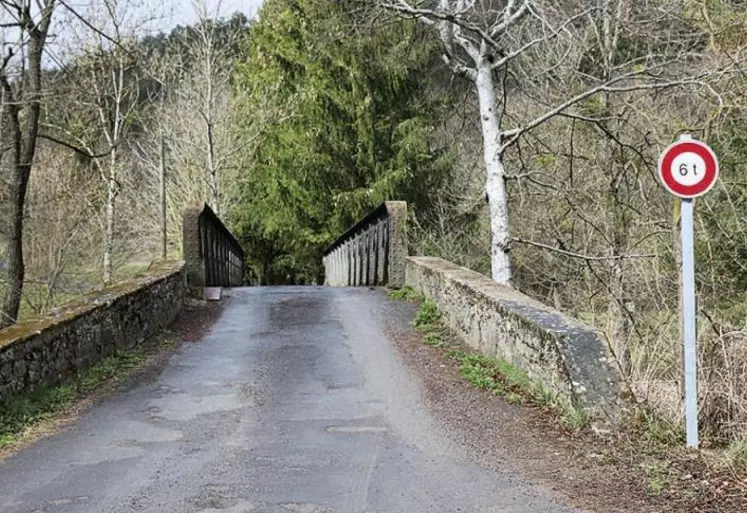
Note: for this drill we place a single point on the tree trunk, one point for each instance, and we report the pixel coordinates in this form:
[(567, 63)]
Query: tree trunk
[(23, 151), (212, 171), (111, 181), (619, 308), (618, 315), (162, 199), (208, 117), (109, 235), (16, 268), (495, 185)]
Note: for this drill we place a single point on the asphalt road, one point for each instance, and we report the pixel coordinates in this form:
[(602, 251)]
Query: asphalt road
[(295, 401)]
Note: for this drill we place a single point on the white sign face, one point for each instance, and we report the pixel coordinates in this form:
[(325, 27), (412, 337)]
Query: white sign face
[(688, 169)]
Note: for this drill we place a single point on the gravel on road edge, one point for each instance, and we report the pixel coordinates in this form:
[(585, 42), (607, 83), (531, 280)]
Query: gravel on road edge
[(605, 475)]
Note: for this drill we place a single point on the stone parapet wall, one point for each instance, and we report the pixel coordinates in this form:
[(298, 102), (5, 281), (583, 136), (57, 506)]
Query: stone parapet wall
[(372, 252), (568, 358), (50, 349)]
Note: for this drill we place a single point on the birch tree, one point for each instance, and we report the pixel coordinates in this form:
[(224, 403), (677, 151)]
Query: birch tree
[(195, 111), (488, 41), (197, 115), (105, 83)]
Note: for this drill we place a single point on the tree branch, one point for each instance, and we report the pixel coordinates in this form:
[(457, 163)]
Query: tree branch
[(76, 149), (450, 17), (510, 17), (512, 136), (571, 254), (555, 32)]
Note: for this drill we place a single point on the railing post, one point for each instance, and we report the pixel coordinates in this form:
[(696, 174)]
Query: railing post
[(193, 247), (348, 265), (397, 238), (327, 274), (341, 269), (356, 261), (361, 260), (330, 270), (381, 253), (364, 256), (224, 261), (338, 266), (371, 248), (375, 253)]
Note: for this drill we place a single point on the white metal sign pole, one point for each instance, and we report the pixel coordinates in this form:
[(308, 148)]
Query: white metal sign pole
[(688, 169), (688, 328), (689, 334)]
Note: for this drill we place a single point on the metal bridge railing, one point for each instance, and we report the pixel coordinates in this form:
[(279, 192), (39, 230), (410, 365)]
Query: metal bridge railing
[(213, 256), (372, 252)]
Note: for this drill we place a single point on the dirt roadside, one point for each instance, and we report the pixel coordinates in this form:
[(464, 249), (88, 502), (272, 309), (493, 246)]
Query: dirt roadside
[(613, 475)]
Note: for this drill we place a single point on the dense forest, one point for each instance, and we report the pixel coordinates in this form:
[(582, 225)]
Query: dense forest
[(523, 135)]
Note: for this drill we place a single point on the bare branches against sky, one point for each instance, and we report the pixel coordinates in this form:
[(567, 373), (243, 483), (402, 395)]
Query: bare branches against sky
[(183, 13)]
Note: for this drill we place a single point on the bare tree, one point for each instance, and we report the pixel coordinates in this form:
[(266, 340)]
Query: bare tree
[(21, 83), (214, 70), (105, 84), (61, 229), (489, 41), (195, 111), (200, 102)]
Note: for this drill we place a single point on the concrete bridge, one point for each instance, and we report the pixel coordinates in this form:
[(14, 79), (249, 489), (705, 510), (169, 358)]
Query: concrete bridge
[(295, 399)]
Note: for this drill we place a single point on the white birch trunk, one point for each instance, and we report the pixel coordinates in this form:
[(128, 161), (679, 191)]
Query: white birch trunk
[(495, 185), (109, 234), (208, 111), (111, 182)]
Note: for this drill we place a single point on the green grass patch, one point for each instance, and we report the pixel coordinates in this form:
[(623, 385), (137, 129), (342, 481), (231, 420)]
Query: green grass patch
[(481, 373), (110, 369), (736, 455), (20, 412), (406, 294), (655, 432), (499, 376), (502, 378), (657, 472), (576, 418), (515, 376), (434, 340), (428, 317)]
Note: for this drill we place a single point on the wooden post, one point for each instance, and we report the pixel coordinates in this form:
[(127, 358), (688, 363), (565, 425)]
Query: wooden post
[(162, 173)]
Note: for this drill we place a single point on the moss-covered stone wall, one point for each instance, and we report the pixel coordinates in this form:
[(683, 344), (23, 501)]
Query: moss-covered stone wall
[(49, 349)]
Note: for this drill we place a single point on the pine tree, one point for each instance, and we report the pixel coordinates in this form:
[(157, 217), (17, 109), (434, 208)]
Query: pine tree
[(357, 130)]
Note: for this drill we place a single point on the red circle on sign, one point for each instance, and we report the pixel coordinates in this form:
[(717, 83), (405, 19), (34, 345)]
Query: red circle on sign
[(666, 171)]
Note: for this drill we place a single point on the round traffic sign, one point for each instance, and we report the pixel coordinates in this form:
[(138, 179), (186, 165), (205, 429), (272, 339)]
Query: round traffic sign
[(688, 168)]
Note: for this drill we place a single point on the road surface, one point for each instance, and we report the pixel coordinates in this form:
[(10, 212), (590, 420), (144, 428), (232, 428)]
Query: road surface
[(295, 401)]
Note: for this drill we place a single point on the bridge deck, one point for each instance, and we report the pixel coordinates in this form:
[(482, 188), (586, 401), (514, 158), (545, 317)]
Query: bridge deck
[(295, 401)]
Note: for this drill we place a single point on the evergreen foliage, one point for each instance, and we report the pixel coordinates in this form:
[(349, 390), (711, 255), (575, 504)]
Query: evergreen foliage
[(355, 130)]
